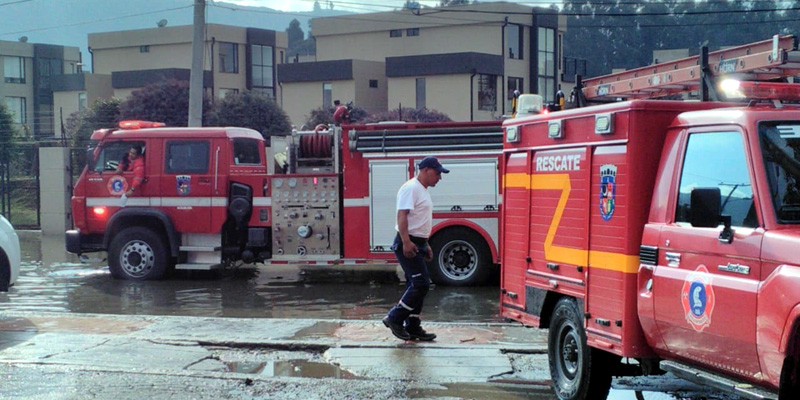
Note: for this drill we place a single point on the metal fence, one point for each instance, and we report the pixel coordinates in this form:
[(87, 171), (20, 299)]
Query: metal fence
[(20, 200)]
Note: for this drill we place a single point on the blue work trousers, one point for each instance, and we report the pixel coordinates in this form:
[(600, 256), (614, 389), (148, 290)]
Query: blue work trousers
[(417, 285)]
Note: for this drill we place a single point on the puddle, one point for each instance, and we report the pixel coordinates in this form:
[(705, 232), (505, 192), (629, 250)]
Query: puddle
[(318, 330), (291, 368)]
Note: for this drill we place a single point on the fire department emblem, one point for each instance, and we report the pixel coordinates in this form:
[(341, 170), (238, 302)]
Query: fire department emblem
[(608, 190), (697, 298), (117, 185), (183, 184)]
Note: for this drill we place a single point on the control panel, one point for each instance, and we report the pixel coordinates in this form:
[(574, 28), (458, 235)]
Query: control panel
[(306, 217)]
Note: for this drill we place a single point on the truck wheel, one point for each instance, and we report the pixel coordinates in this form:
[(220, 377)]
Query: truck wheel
[(460, 258), (577, 371), (137, 253)]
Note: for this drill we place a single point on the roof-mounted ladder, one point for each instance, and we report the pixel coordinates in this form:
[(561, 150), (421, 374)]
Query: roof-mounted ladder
[(759, 61)]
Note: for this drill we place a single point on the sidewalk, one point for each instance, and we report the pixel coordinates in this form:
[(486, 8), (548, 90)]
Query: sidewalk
[(255, 347)]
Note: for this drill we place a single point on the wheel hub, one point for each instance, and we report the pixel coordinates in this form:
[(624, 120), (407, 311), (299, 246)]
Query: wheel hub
[(137, 258), (458, 260)]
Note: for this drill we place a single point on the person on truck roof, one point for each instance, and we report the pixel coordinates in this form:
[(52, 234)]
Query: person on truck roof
[(135, 164), (414, 222)]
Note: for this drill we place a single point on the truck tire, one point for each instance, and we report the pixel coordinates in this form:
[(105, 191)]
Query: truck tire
[(460, 258), (577, 371), (138, 253)]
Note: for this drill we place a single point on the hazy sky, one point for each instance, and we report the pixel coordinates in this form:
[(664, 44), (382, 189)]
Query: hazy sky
[(344, 5)]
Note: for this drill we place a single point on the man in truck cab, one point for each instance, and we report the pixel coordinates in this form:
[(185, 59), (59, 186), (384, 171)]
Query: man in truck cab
[(135, 164)]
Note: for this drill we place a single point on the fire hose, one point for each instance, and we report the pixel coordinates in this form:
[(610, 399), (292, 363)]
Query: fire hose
[(317, 145)]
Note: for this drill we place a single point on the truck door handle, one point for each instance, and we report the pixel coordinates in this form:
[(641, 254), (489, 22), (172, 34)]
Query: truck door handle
[(205, 180)]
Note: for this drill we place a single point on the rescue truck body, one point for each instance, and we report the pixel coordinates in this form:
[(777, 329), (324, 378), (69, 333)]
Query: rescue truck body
[(214, 197), (658, 231)]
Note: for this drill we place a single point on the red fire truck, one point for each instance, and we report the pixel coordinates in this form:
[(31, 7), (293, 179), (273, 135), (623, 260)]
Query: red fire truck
[(215, 197), (662, 231)]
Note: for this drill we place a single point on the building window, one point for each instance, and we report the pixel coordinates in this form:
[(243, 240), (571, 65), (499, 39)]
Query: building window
[(223, 93), (487, 92), (547, 64), (512, 85), (17, 107), (412, 32), (263, 69), (396, 33), (144, 49), (81, 101), (373, 83), (515, 41), (228, 58), (421, 93), (14, 69), (327, 95)]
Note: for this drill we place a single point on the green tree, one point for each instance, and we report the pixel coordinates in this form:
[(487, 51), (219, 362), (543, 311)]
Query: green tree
[(101, 114), (165, 101), (448, 3), (8, 134), (295, 33), (252, 110)]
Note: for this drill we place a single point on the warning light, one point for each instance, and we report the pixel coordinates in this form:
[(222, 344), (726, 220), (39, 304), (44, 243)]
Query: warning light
[(315, 180), (99, 211), (734, 89), (132, 124)]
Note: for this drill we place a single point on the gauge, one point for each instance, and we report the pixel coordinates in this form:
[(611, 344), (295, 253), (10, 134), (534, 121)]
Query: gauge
[(278, 182), (292, 182)]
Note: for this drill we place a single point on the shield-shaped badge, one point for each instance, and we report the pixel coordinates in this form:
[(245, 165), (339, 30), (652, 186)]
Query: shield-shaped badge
[(608, 190), (184, 183)]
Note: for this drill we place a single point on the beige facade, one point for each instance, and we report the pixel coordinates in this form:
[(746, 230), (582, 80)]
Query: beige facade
[(70, 99), (480, 52), (33, 109), (136, 58)]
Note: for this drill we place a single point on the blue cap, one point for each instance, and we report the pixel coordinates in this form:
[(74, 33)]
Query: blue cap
[(432, 162)]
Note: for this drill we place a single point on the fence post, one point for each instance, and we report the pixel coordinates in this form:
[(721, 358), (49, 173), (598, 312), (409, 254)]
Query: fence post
[(55, 188)]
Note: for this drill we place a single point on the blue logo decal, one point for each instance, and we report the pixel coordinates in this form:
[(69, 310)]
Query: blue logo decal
[(608, 190), (184, 184)]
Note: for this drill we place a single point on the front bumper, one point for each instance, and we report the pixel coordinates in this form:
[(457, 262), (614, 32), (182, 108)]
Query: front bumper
[(78, 243)]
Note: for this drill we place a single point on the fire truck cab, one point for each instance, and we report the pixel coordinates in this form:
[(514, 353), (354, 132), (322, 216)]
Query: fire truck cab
[(663, 232)]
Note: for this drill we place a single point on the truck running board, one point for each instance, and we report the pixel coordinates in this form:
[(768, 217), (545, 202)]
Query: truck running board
[(198, 267), (717, 381)]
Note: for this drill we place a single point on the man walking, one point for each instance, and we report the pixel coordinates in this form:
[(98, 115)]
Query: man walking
[(414, 220)]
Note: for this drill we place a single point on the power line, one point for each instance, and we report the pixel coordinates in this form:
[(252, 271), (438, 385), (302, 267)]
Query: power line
[(14, 2), (94, 21)]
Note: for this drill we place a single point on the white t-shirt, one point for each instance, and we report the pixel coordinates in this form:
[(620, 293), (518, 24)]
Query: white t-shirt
[(415, 197)]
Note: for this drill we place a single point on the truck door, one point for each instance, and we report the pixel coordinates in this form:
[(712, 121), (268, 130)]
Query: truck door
[(186, 186), (105, 186), (704, 289)]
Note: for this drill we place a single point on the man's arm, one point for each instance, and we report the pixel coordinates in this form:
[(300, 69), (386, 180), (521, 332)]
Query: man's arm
[(409, 248)]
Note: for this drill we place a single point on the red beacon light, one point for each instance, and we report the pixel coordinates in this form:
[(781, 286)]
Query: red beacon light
[(133, 124), (748, 90)]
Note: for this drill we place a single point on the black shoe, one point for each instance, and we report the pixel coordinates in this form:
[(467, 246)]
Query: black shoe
[(420, 334), (397, 329)]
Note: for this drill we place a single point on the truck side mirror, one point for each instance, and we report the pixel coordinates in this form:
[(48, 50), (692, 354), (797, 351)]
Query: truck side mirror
[(705, 212)]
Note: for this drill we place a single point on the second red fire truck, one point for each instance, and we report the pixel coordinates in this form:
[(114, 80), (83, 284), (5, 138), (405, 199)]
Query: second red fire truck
[(218, 196)]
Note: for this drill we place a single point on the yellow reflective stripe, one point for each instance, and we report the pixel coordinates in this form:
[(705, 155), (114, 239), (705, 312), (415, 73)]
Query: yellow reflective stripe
[(594, 259)]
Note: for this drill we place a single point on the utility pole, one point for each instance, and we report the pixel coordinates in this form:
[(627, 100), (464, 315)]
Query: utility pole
[(196, 78)]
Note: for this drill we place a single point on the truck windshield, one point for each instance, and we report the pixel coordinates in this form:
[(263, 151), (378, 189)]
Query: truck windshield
[(780, 145)]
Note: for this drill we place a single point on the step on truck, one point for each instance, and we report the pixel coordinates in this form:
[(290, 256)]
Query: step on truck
[(662, 232), (217, 197)]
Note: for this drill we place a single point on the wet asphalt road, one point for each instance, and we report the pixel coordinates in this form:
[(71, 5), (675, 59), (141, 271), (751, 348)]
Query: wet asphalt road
[(53, 280)]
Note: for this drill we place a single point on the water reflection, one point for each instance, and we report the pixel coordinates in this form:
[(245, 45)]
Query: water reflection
[(53, 280)]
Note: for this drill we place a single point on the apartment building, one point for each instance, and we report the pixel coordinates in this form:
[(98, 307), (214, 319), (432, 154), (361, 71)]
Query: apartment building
[(27, 85), (464, 61), (236, 59)]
